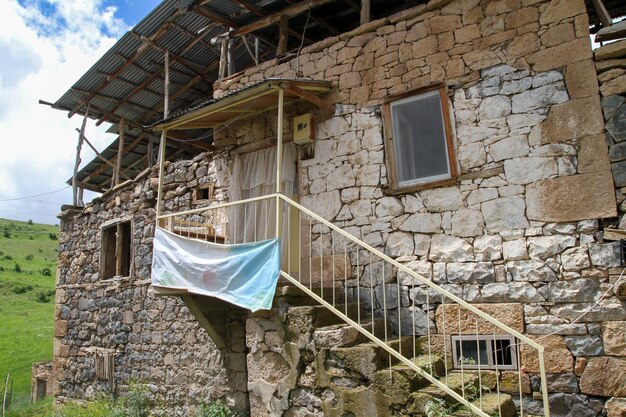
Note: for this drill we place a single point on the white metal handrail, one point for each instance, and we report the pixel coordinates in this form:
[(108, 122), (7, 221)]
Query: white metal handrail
[(294, 221)]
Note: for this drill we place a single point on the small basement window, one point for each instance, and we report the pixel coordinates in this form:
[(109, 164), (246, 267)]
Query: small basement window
[(484, 352), (115, 256), (418, 141)]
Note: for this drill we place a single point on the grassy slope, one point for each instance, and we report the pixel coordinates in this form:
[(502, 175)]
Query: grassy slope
[(26, 318)]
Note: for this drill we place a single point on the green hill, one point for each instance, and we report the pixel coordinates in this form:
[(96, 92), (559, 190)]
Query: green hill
[(28, 256)]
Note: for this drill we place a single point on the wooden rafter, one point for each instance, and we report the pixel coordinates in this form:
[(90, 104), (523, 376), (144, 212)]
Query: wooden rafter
[(274, 18)]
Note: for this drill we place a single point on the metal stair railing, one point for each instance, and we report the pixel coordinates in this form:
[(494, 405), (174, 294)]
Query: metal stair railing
[(419, 318)]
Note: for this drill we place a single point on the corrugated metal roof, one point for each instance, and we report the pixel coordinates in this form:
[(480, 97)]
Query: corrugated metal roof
[(115, 88)]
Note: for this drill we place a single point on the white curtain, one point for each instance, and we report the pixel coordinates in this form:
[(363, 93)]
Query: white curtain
[(254, 175)]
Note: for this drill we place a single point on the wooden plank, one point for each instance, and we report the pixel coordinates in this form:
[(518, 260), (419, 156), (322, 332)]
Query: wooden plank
[(274, 18), (223, 58), (365, 11), (166, 86), (120, 150), (307, 96), (283, 35), (203, 321), (616, 31), (81, 132), (614, 234), (603, 13)]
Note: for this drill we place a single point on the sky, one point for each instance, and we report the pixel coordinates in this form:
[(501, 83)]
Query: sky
[(45, 46)]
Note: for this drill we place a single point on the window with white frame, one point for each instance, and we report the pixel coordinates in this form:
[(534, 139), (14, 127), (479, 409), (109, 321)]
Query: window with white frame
[(484, 352), (418, 140)]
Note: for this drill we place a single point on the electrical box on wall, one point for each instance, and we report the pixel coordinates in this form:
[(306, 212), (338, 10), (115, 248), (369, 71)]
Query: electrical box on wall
[(303, 129)]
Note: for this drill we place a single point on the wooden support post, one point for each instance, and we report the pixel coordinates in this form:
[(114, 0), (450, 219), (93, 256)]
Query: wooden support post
[(283, 35), (365, 11), (80, 196), (223, 58), (166, 86), (256, 50), (161, 173), (120, 149), (150, 155), (81, 135), (231, 57)]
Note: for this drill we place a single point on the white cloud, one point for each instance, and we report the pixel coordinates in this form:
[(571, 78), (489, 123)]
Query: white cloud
[(45, 46)]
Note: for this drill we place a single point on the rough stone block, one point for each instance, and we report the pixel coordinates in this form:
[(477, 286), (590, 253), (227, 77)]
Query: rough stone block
[(577, 197), (561, 55), (512, 292), (610, 51), (585, 345), (557, 356), (614, 335), (559, 10), (581, 80), (616, 407), (604, 376), (510, 314), (505, 213), (573, 119), (592, 156)]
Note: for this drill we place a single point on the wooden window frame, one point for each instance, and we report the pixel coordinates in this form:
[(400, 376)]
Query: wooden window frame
[(106, 251), (209, 188), (389, 147)]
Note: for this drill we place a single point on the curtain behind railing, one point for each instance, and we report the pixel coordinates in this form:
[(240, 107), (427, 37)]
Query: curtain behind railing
[(254, 175)]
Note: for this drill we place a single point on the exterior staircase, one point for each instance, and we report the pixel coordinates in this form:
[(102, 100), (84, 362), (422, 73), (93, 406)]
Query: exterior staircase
[(377, 347), (365, 380)]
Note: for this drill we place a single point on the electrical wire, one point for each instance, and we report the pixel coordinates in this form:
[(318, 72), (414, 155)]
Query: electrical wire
[(302, 40), (36, 195)]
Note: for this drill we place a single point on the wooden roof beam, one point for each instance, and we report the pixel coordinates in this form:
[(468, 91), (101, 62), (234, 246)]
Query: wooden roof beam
[(274, 18), (155, 36)]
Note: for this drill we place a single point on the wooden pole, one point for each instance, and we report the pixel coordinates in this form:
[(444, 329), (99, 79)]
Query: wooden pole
[(120, 149), (150, 155), (365, 11), (256, 50), (161, 173), (231, 57), (283, 33), (223, 58), (4, 397), (79, 147), (166, 86), (603, 14)]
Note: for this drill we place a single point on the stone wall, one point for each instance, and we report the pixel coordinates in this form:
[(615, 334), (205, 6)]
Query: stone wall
[(155, 341), (41, 380), (521, 225)]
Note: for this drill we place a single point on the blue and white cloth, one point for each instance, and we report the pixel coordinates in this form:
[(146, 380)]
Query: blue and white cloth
[(243, 274)]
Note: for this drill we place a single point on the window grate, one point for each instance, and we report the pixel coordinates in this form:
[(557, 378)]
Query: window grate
[(484, 352)]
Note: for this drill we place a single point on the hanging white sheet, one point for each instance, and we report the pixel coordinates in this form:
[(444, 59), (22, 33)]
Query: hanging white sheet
[(242, 274)]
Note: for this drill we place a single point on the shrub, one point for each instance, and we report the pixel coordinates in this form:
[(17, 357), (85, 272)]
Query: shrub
[(21, 289), (7, 233), (29, 257), (52, 236), (17, 268), (30, 222), (215, 409), (8, 257), (46, 272), (42, 297)]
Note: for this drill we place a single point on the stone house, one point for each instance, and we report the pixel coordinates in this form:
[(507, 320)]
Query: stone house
[(514, 209)]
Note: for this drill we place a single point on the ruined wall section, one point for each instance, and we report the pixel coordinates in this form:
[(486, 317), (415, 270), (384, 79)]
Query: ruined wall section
[(154, 341), (522, 223)]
